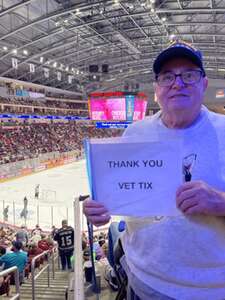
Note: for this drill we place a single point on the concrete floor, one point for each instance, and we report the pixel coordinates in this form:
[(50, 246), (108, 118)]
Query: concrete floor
[(106, 292)]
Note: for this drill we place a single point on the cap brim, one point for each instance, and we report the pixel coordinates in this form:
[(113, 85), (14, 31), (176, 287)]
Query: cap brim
[(175, 52)]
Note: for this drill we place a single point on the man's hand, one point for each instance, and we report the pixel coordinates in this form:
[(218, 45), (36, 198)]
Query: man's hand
[(197, 197), (96, 212)]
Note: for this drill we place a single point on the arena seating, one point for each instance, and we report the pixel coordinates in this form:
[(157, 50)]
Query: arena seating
[(24, 141)]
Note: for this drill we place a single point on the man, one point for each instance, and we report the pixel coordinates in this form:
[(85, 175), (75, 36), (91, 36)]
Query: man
[(22, 235), (24, 211), (36, 191), (53, 232), (6, 213), (16, 258), (65, 238), (181, 257)]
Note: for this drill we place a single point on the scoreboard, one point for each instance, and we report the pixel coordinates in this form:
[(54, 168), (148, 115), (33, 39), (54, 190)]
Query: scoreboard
[(117, 106)]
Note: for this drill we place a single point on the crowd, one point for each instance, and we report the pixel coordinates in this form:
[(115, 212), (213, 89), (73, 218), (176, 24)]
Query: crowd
[(40, 102), (18, 248), (41, 107), (42, 111), (30, 140)]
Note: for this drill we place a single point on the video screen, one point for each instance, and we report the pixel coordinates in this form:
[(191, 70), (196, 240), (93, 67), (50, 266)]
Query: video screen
[(124, 108)]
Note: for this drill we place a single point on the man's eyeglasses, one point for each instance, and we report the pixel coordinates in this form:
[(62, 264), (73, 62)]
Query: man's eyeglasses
[(168, 78)]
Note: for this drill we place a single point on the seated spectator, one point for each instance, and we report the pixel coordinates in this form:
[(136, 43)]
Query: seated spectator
[(44, 244), (33, 250), (2, 232), (35, 238), (22, 141), (16, 258), (5, 285), (2, 250), (37, 230)]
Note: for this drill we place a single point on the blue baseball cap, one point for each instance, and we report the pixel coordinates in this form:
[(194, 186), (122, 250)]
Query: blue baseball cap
[(178, 49)]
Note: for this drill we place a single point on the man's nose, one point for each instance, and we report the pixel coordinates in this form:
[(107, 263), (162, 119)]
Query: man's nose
[(178, 82)]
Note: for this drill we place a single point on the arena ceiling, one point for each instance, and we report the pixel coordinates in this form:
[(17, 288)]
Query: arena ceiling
[(67, 36)]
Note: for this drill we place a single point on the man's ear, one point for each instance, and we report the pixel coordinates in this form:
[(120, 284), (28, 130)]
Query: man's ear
[(205, 82), (155, 91)]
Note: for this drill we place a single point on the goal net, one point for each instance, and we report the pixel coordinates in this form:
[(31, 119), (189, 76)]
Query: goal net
[(48, 196)]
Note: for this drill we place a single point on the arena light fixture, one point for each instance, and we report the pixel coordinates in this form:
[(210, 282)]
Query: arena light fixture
[(14, 51), (172, 37), (55, 64), (41, 59), (25, 52), (5, 48)]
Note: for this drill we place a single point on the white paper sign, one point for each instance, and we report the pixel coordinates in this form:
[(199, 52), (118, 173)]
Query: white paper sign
[(136, 178)]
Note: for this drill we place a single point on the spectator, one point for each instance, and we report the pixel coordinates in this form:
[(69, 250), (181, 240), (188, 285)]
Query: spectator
[(65, 239), (16, 258), (53, 232), (37, 230), (24, 141), (179, 257), (22, 235), (35, 238), (44, 244), (34, 250)]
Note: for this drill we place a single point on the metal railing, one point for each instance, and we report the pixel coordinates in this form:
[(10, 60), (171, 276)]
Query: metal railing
[(54, 256), (16, 278), (35, 277)]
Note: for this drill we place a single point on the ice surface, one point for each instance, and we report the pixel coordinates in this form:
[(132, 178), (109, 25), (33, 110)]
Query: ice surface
[(58, 188)]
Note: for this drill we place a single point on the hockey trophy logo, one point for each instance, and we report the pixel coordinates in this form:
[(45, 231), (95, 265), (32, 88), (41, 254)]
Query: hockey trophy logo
[(188, 165)]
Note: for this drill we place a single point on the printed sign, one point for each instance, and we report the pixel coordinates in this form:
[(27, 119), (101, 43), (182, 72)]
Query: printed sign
[(135, 178)]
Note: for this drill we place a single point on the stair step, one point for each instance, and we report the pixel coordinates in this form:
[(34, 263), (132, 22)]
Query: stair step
[(56, 291)]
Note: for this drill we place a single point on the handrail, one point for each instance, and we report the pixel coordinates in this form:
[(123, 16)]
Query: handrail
[(54, 258), (16, 278), (33, 276)]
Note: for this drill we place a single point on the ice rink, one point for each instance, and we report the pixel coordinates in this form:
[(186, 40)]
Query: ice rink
[(58, 188)]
